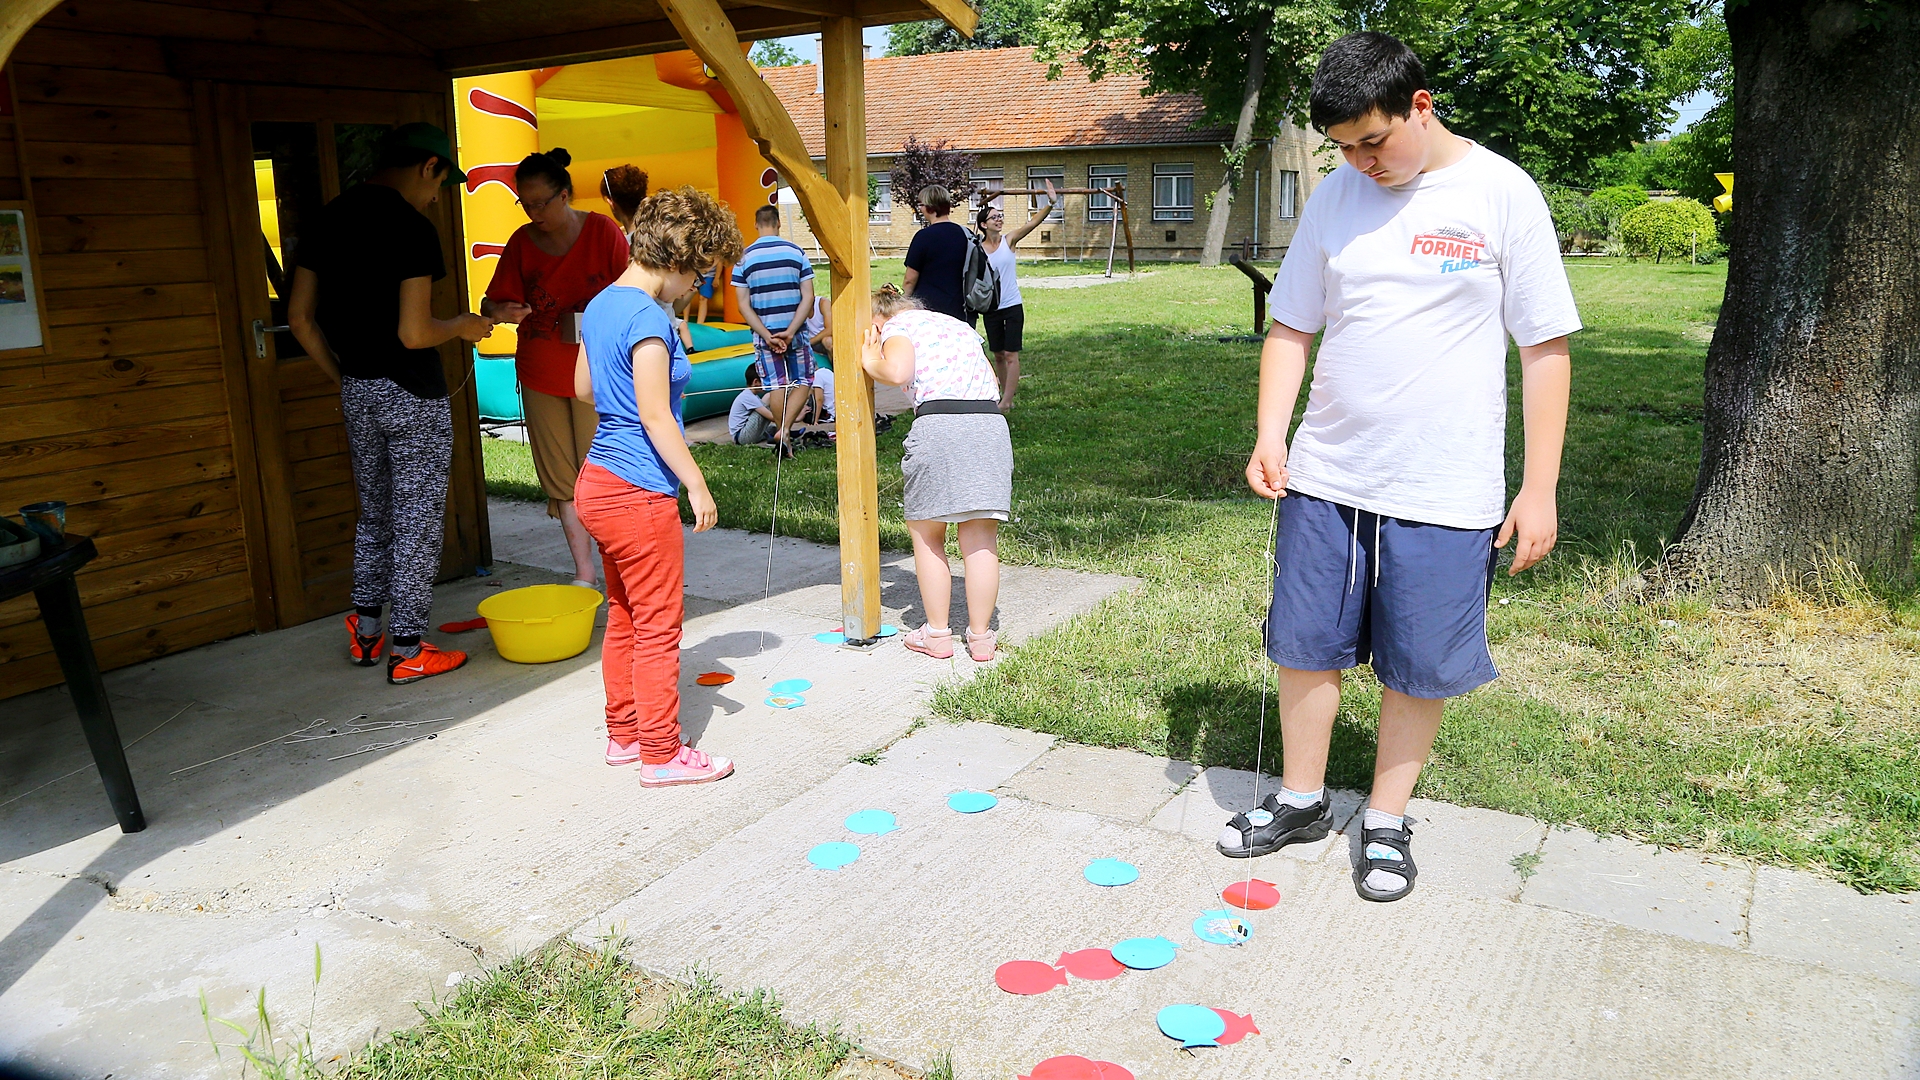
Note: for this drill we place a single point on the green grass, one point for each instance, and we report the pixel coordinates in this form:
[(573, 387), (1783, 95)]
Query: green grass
[(1130, 434)]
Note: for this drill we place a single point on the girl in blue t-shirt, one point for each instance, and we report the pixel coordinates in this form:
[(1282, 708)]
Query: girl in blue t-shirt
[(633, 368)]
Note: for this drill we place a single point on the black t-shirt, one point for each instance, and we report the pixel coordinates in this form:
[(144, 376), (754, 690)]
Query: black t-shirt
[(939, 253), (365, 244)]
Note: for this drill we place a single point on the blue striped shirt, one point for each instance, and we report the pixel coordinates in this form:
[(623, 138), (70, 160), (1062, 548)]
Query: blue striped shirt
[(772, 270)]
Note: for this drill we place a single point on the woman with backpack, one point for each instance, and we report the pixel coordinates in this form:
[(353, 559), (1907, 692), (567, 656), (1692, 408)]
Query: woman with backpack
[(937, 257), (1008, 319)]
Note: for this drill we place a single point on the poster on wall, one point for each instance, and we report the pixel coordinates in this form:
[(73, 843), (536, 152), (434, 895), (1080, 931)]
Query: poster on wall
[(22, 325)]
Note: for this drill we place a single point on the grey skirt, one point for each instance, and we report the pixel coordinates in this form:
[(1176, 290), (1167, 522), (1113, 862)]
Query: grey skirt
[(958, 465)]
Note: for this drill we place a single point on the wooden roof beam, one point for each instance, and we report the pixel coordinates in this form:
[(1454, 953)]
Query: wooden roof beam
[(821, 9), (613, 42), (958, 13)]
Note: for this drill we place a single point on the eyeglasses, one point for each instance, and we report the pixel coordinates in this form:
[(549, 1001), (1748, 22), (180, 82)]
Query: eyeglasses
[(538, 205)]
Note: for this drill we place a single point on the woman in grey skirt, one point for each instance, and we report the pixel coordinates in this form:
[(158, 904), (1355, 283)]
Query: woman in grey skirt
[(959, 463)]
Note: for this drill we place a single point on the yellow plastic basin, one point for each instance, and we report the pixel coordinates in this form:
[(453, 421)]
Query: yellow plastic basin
[(541, 623)]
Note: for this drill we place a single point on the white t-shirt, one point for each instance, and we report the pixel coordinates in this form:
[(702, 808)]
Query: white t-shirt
[(1001, 259), (823, 378), (949, 360), (743, 407), (817, 320), (1418, 288)]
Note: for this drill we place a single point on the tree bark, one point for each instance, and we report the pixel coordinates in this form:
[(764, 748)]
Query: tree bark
[(1813, 377), (1236, 158)]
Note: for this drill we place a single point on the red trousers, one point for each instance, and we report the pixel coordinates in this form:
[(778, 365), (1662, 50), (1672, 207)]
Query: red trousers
[(645, 558)]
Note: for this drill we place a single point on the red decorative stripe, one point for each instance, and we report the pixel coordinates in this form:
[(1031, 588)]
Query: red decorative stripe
[(482, 175), (496, 105), (488, 251)]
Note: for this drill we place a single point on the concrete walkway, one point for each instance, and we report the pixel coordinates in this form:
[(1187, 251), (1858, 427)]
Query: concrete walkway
[(1524, 952)]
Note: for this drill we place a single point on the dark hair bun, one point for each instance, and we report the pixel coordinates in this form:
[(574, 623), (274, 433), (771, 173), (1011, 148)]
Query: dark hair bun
[(560, 156)]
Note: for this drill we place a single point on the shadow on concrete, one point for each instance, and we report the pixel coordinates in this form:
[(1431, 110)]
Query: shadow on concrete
[(1218, 723)]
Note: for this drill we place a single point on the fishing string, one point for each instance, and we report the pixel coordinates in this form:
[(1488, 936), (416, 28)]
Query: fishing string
[(779, 456), (1266, 676)]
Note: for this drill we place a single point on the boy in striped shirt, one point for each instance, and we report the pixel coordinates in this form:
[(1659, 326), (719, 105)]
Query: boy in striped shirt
[(774, 284)]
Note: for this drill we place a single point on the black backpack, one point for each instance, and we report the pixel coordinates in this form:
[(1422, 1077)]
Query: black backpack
[(979, 281)]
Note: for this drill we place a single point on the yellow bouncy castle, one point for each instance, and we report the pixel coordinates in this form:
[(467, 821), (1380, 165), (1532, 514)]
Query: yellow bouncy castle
[(662, 113)]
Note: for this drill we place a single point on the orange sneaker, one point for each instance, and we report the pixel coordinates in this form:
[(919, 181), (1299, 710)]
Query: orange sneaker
[(364, 651), (431, 660)]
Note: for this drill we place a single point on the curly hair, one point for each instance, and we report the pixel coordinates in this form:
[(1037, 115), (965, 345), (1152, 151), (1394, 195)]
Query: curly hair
[(685, 230), (624, 186)]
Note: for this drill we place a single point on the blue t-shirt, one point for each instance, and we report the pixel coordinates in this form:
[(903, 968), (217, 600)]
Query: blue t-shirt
[(772, 270), (617, 320)]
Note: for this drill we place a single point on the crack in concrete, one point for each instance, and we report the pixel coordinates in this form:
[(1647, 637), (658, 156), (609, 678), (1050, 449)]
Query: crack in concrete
[(106, 884), (479, 951)]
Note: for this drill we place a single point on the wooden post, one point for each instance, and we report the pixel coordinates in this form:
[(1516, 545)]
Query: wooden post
[(844, 74), (1126, 225)]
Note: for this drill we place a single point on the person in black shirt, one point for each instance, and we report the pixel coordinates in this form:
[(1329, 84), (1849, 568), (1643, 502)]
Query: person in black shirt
[(936, 257), (361, 307)]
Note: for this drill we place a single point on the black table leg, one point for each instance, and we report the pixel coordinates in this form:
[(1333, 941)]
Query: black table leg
[(67, 626)]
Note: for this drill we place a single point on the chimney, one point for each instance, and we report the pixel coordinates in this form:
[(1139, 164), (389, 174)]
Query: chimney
[(819, 64)]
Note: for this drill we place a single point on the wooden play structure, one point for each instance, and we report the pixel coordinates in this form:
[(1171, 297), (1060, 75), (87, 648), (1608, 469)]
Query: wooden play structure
[(159, 397)]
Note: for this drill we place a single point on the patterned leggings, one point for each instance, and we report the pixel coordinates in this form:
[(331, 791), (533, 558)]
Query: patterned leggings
[(402, 450)]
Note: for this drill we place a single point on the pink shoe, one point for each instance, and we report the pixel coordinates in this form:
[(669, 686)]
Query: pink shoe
[(619, 753), (935, 643), (689, 766), (980, 646)]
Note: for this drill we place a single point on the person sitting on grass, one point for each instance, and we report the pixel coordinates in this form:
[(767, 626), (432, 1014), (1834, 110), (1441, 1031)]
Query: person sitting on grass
[(1420, 257), (774, 284), (634, 370), (959, 461), (749, 421)]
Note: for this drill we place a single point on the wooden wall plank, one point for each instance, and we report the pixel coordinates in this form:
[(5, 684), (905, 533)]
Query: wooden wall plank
[(136, 337), (115, 197), (104, 269), (102, 161), (84, 487), (44, 459), (316, 442), (105, 375), (302, 67), (63, 233), (179, 506), (125, 124), (132, 647), (302, 9), (313, 412), (196, 23), (319, 563), (165, 538), (25, 423), (71, 307), (48, 45), (94, 86), (322, 471), (106, 585), (328, 531), (29, 638), (325, 502)]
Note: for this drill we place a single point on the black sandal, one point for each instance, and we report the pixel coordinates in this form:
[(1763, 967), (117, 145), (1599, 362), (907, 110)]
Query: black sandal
[(1401, 841), (1273, 825)]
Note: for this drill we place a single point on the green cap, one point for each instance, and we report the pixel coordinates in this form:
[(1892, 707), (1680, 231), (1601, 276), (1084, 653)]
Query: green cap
[(422, 136)]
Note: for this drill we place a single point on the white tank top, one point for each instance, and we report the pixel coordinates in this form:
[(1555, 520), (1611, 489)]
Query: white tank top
[(1001, 259)]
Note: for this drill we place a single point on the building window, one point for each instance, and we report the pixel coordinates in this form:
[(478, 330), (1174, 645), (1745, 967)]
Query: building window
[(881, 212), (1287, 194), (1100, 205), (1173, 191), (1036, 177), (990, 179)]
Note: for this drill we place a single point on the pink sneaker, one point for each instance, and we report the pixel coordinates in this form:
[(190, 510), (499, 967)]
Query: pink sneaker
[(619, 753), (689, 766), (980, 646), (935, 643)]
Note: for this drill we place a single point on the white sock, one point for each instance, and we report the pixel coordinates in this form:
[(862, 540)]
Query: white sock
[(937, 630), (1300, 800), (1383, 880)]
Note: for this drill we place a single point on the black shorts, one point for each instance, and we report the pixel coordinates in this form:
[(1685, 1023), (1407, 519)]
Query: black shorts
[(1004, 328)]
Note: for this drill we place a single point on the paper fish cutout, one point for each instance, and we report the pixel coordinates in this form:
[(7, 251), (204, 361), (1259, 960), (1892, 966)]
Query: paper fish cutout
[(1072, 1067), (785, 701), (833, 856), (791, 686), (1111, 872), (1193, 1025), (871, 822), (1255, 895), (1092, 964), (1238, 1027), (1145, 953), (462, 626), (971, 802), (837, 636), (1222, 927), (1028, 977), (713, 678)]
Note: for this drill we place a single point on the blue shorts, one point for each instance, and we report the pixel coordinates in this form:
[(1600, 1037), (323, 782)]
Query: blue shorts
[(1352, 587), (706, 285), (791, 368)]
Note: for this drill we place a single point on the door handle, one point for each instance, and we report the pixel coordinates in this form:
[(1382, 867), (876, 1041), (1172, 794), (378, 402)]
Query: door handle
[(260, 332)]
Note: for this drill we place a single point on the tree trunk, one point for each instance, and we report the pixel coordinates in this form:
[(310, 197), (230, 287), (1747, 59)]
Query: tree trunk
[(1236, 158), (1813, 378)]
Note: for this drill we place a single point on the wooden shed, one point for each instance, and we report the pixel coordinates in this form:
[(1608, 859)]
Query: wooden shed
[(203, 453)]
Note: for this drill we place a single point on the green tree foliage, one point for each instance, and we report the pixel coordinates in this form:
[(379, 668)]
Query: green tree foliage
[(1668, 227), (774, 53), (1003, 24), (1551, 84), (1613, 201), (1580, 223), (1700, 60)]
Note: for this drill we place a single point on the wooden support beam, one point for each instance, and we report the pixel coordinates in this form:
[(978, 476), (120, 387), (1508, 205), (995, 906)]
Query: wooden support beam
[(958, 13), (711, 35), (610, 43), (845, 116)]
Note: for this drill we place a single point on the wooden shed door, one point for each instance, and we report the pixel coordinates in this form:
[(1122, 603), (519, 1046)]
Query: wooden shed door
[(289, 151)]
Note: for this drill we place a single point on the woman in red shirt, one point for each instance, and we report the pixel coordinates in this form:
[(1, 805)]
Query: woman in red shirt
[(551, 267)]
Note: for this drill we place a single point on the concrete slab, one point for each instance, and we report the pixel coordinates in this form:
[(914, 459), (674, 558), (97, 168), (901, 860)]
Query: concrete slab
[(1205, 806), (979, 757), (901, 946), (1470, 849), (1673, 892), (1111, 783), (1801, 917)]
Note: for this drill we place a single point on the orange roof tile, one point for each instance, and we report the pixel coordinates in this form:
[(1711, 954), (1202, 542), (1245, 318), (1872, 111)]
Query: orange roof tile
[(996, 99)]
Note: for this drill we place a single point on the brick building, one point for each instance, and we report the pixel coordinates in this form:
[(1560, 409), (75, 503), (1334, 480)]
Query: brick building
[(999, 104)]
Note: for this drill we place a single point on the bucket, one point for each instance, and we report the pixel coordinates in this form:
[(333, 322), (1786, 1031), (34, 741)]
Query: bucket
[(541, 623)]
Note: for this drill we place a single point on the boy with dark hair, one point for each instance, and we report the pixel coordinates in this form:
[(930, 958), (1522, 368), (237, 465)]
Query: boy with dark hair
[(774, 283), (361, 307), (1419, 257)]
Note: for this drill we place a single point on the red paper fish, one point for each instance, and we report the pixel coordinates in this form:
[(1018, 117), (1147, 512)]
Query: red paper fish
[(462, 626), (713, 678), (1073, 1067), (1238, 1027), (1028, 977), (1255, 895), (1109, 1071), (1091, 964)]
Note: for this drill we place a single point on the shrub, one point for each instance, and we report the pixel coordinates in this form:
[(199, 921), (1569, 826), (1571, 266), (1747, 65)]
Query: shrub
[(1668, 227), (1612, 202), (1576, 219)]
